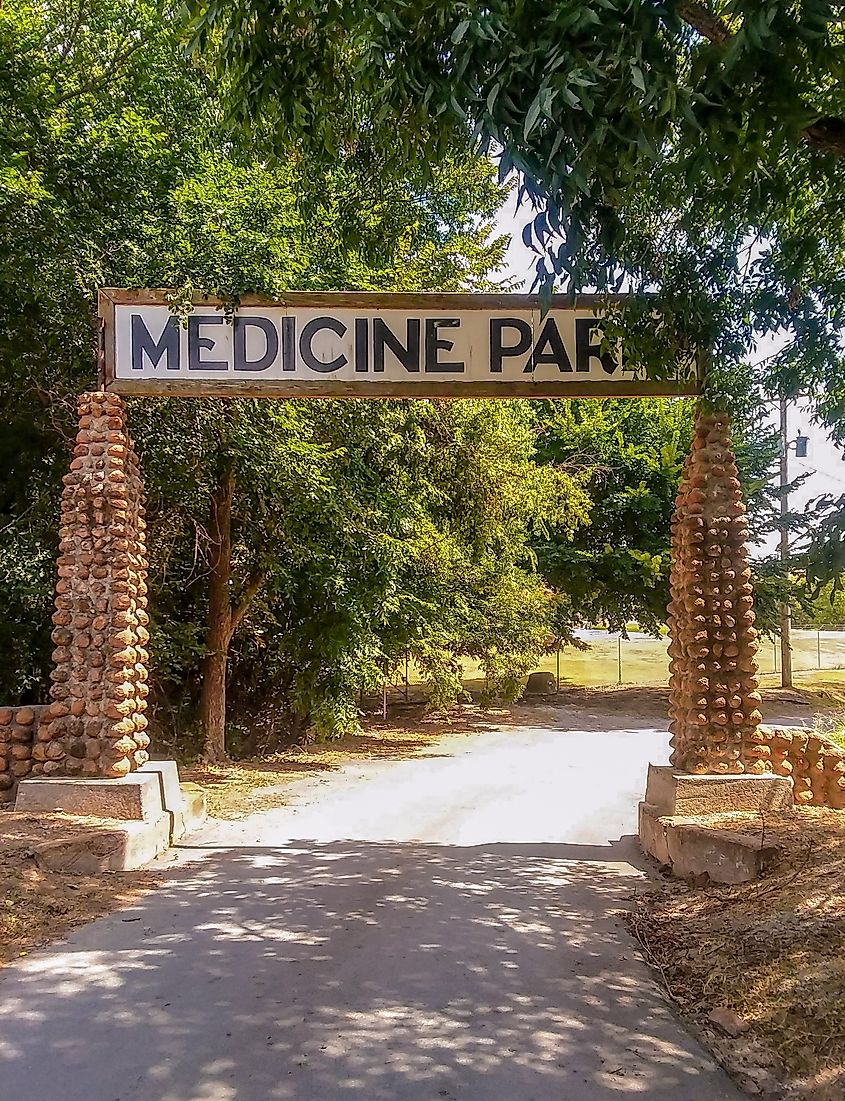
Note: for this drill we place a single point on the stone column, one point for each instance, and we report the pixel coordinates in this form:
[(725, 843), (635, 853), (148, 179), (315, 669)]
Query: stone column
[(96, 724), (713, 697)]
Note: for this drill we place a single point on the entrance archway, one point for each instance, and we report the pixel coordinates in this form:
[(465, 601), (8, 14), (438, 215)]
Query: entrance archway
[(352, 345)]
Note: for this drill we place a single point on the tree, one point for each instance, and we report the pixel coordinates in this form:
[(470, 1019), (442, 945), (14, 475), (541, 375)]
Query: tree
[(295, 547), (420, 547), (615, 570), (826, 611), (691, 153), (235, 228), (225, 480), (101, 118), (695, 150), (270, 469)]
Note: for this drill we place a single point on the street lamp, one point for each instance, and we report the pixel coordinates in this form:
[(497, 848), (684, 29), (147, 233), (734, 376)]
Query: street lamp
[(800, 444)]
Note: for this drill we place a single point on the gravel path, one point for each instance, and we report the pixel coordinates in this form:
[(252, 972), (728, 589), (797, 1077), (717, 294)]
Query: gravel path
[(438, 928)]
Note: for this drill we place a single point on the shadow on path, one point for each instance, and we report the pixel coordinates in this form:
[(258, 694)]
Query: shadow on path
[(350, 969)]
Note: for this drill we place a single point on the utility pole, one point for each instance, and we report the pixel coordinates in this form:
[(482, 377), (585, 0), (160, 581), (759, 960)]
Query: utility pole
[(785, 613)]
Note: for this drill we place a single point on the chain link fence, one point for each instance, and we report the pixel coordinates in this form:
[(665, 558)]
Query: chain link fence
[(611, 659)]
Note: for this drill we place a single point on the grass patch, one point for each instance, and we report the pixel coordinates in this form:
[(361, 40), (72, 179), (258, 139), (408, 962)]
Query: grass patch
[(644, 661)]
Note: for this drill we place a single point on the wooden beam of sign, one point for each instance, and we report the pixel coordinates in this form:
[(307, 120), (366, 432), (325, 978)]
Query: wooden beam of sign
[(369, 346)]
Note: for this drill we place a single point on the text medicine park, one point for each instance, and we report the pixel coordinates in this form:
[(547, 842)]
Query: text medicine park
[(361, 344)]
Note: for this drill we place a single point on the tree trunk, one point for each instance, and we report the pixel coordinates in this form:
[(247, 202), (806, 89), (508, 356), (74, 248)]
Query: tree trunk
[(219, 629), (213, 706)]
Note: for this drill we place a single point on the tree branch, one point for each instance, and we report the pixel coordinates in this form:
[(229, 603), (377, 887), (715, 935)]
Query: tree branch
[(701, 19), (826, 134), (104, 77), (239, 610)]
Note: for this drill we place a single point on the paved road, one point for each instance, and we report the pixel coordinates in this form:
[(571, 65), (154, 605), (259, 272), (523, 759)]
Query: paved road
[(444, 929)]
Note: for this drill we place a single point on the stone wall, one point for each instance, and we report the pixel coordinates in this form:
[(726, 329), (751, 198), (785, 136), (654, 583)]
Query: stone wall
[(713, 697), (19, 745), (96, 724), (815, 764)]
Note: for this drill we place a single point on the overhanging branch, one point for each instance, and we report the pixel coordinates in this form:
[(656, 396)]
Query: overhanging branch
[(701, 19), (99, 82), (826, 134)]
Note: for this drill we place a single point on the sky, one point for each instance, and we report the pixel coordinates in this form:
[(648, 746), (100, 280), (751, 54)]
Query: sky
[(825, 462)]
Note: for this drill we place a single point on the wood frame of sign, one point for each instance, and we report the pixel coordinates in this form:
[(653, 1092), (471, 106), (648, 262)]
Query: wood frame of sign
[(366, 345)]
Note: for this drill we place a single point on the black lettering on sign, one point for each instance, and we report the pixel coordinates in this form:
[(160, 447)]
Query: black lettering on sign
[(550, 339), (362, 344), (307, 352), (271, 343), (585, 349), (144, 345), (198, 343), (498, 349), (435, 344), (288, 343), (408, 353)]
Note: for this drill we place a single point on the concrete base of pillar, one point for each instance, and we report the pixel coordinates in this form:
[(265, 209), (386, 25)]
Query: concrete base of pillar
[(140, 815), (673, 792), (134, 798), (673, 822)]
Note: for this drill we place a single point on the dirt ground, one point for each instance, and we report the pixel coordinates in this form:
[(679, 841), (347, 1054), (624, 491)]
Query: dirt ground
[(38, 905), (764, 960), (258, 784)]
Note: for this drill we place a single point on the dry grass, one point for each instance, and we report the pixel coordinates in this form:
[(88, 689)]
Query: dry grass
[(38, 905), (826, 687), (773, 951), (247, 787)]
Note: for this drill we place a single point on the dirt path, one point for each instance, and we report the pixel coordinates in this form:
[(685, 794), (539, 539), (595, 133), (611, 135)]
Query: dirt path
[(445, 927)]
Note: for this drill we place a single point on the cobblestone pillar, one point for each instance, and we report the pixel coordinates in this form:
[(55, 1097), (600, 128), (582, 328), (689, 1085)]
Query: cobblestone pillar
[(96, 724), (713, 697)]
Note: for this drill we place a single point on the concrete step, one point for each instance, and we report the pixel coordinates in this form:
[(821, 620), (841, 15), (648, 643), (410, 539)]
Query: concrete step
[(692, 849), (131, 819)]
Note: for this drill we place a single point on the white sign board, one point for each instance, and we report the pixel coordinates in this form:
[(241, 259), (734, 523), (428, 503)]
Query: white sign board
[(365, 346)]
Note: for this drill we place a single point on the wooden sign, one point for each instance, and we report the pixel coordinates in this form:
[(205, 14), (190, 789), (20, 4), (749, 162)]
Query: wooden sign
[(367, 345)]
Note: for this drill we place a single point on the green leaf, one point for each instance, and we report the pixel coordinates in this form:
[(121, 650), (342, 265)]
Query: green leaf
[(532, 115)]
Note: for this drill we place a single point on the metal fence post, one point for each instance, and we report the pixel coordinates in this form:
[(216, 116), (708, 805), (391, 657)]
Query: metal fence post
[(407, 683), (557, 667), (619, 658), (819, 648)]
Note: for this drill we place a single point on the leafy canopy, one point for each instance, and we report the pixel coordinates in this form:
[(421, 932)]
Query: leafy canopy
[(374, 528), (630, 454), (689, 149)]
